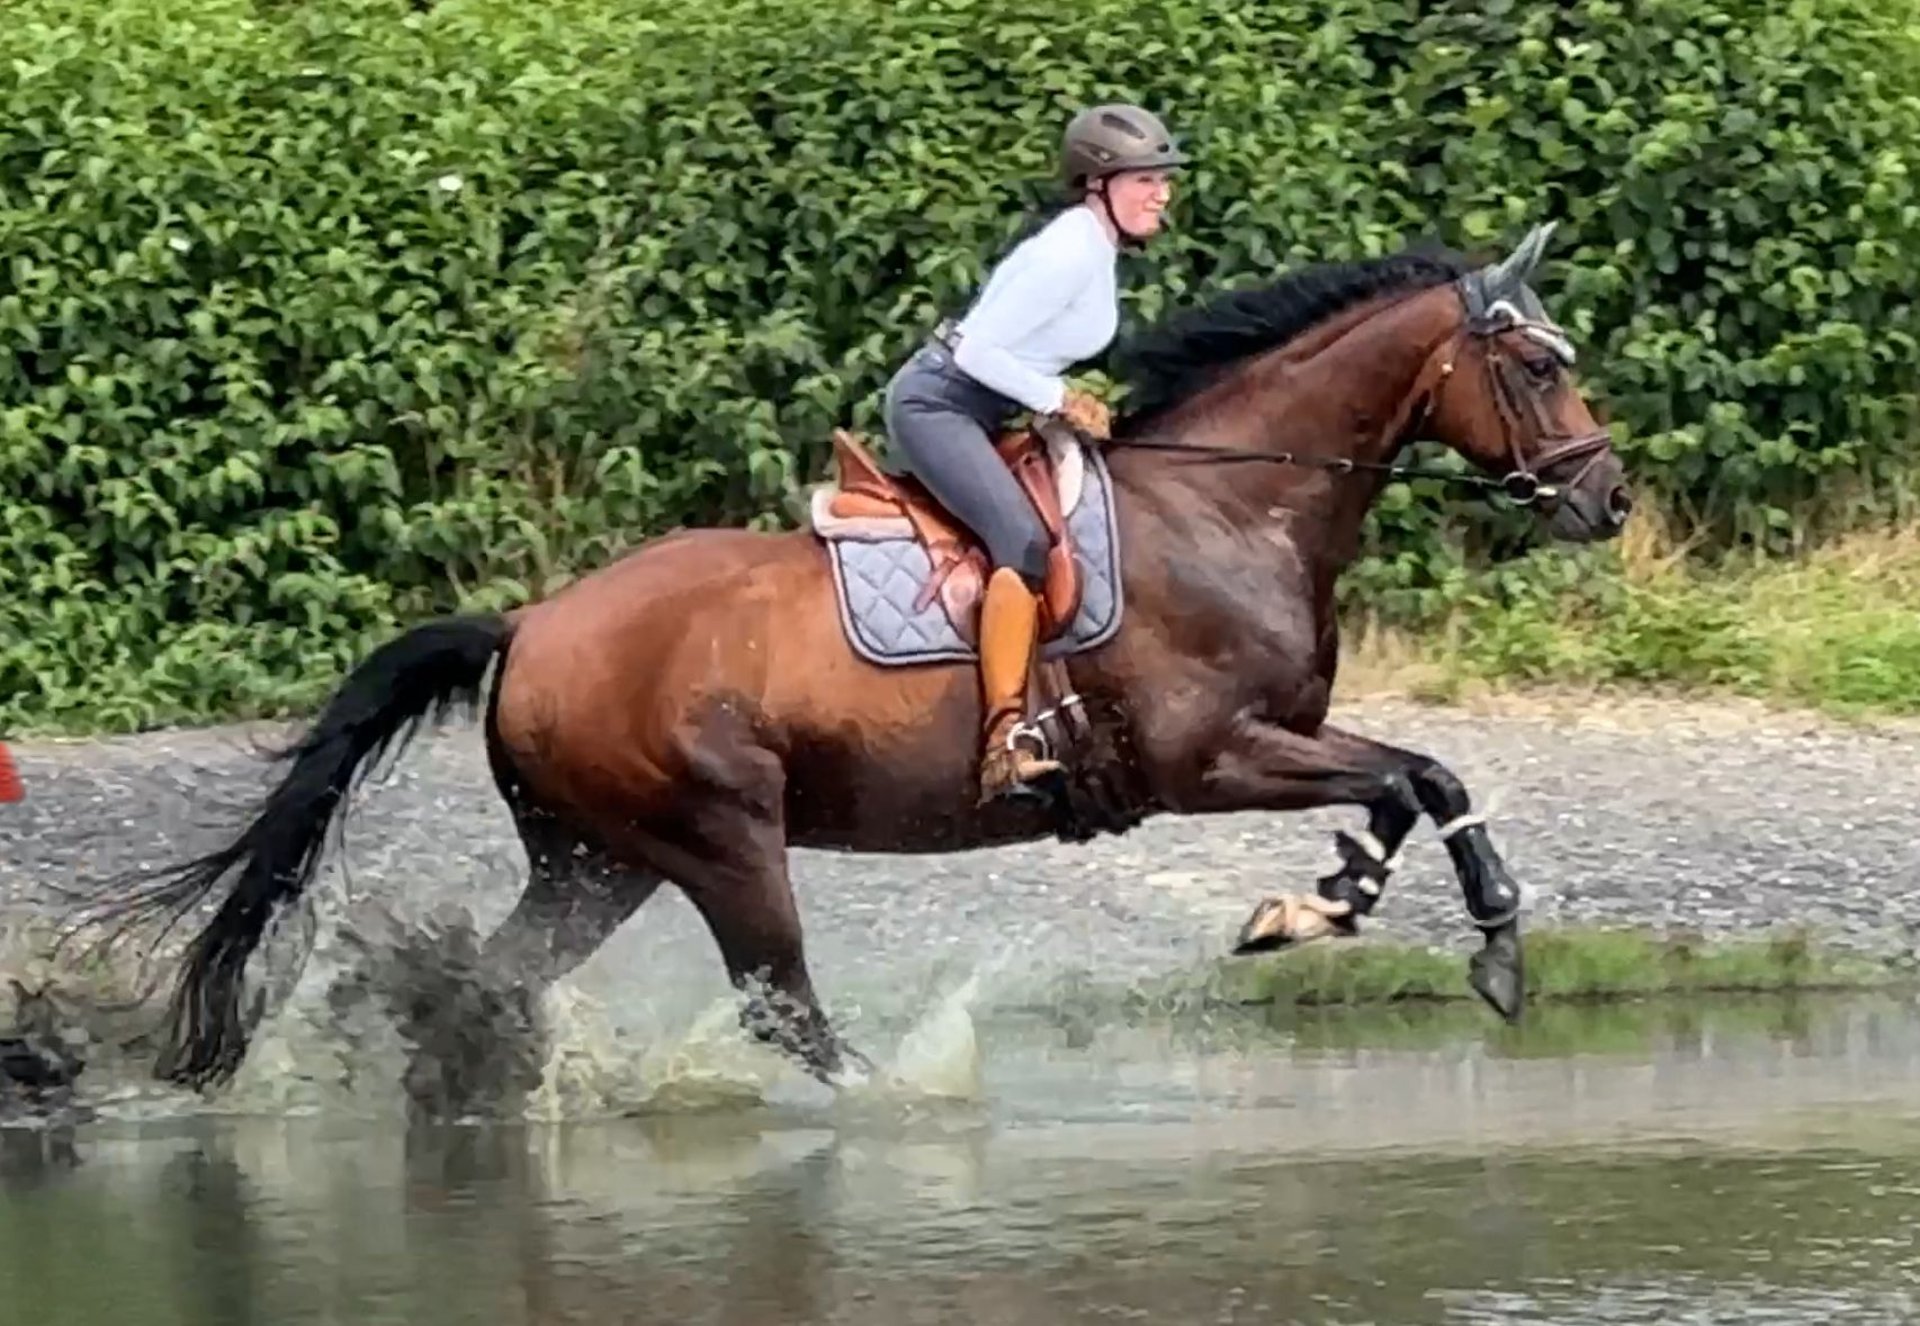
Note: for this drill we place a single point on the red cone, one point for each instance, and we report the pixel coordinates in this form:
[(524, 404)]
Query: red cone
[(10, 786)]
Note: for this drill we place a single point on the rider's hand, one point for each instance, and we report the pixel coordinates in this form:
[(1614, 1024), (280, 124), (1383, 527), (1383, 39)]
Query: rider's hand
[(1088, 414)]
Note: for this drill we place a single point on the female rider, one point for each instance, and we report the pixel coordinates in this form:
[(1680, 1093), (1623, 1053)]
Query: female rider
[(1050, 303)]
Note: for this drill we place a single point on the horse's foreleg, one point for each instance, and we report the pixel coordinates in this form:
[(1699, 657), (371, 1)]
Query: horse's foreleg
[(1492, 898), (1271, 768), (1276, 769)]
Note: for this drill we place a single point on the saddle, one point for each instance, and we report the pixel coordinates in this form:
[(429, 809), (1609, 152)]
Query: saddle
[(868, 503)]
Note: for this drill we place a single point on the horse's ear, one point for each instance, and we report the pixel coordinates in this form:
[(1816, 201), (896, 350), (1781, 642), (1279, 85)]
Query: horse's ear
[(1506, 279), (1531, 250)]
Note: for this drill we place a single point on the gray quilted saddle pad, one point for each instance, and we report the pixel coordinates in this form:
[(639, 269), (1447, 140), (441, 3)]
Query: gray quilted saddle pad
[(877, 580)]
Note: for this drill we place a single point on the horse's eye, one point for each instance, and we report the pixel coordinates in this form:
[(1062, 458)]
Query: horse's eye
[(1543, 368)]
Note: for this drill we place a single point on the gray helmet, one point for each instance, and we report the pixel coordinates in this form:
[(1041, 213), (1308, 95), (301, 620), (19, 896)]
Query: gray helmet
[(1103, 140)]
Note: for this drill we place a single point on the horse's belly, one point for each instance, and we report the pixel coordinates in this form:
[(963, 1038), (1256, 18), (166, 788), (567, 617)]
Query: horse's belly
[(889, 767)]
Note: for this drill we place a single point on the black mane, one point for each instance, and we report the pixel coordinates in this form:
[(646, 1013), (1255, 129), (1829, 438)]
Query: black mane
[(1168, 363)]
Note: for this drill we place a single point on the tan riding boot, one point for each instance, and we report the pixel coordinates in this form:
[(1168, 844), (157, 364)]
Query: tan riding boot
[(1009, 626)]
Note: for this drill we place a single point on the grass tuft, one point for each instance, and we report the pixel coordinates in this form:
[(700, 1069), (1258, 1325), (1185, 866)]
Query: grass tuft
[(1832, 630), (1563, 965)]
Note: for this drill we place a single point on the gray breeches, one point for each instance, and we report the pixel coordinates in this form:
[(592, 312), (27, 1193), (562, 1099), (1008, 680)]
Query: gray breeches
[(943, 423)]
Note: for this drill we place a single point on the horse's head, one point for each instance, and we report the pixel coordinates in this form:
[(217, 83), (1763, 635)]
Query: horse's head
[(1503, 396)]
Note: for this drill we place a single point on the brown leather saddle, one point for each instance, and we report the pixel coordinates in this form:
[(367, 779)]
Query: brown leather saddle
[(866, 496)]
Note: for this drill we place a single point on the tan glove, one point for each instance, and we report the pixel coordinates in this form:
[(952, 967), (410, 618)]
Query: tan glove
[(1087, 413)]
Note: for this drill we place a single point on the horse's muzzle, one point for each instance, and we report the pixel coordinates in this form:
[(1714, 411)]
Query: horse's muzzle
[(1594, 504)]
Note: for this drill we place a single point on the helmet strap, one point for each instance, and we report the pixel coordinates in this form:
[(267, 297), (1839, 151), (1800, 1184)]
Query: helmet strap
[(1128, 240)]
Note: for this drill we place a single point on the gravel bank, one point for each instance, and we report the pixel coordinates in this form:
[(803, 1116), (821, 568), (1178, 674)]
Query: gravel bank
[(1722, 819)]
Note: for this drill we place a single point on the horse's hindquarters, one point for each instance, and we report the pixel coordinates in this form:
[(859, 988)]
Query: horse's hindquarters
[(690, 666)]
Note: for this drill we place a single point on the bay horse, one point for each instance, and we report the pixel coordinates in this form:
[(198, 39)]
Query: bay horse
[(690, 711)]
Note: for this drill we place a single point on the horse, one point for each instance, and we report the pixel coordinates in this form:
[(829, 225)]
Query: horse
[(689, 711)]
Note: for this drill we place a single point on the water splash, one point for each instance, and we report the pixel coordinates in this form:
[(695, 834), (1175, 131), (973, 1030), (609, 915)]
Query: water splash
[(939, 1057)]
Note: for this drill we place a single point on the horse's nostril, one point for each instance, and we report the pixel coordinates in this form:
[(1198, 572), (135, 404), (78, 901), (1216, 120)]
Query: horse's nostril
[(1619, 504)]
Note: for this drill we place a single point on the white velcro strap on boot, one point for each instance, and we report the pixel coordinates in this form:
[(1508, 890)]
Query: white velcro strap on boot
[(1460, 824), (1373, 847), (1367, 842)]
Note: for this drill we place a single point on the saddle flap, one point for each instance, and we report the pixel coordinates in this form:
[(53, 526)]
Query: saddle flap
[(1028, 456), (1060, 600), (881, 572), (866, 494)]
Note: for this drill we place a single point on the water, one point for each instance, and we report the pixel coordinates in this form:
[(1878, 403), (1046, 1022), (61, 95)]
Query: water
[(1746, 1161)]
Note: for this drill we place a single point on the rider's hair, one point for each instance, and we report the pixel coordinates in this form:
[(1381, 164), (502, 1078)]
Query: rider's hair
[(1044, 202)]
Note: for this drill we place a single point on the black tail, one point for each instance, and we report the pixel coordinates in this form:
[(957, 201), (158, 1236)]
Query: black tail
[(417, 677)]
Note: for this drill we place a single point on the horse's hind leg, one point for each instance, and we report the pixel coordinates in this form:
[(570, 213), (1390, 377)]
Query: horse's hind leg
[(731, 862), (747, 901), (473, 1019), (577, 895), (580, 888), (718, 830)]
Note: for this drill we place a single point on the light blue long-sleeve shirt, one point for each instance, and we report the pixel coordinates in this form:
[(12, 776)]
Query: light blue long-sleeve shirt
[(1049, 304)]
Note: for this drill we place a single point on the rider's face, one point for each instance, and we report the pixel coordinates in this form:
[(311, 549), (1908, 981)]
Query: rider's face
[(1139, 199)]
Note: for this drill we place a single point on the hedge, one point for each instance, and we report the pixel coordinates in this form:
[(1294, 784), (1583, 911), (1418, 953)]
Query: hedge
[(317, 317)]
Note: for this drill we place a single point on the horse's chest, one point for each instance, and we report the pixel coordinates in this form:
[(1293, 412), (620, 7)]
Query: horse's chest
[(1243, 626), (1277, 624), (1282, 656)]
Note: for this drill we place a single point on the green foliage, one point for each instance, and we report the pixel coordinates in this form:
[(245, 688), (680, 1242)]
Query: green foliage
[(1833, 631), (314, 318)]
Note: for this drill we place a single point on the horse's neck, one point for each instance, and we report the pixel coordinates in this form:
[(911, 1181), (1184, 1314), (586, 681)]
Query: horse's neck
[(1340, 392)]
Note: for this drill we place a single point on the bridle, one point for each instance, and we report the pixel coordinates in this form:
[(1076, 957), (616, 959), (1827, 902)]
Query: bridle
[(1521, 484), (1512, 399)]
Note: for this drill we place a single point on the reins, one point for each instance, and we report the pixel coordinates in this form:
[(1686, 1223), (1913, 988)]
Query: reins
[(1521, 485), (1340, 465)]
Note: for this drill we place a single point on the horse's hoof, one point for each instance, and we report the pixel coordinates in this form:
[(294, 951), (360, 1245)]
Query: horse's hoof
[(1498, 974), (1264, 931), (849, 1077), (850, 1071), (1293, 920)]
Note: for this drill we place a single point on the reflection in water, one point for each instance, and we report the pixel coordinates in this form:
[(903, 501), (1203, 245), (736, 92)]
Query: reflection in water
[(1367, 1181)]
